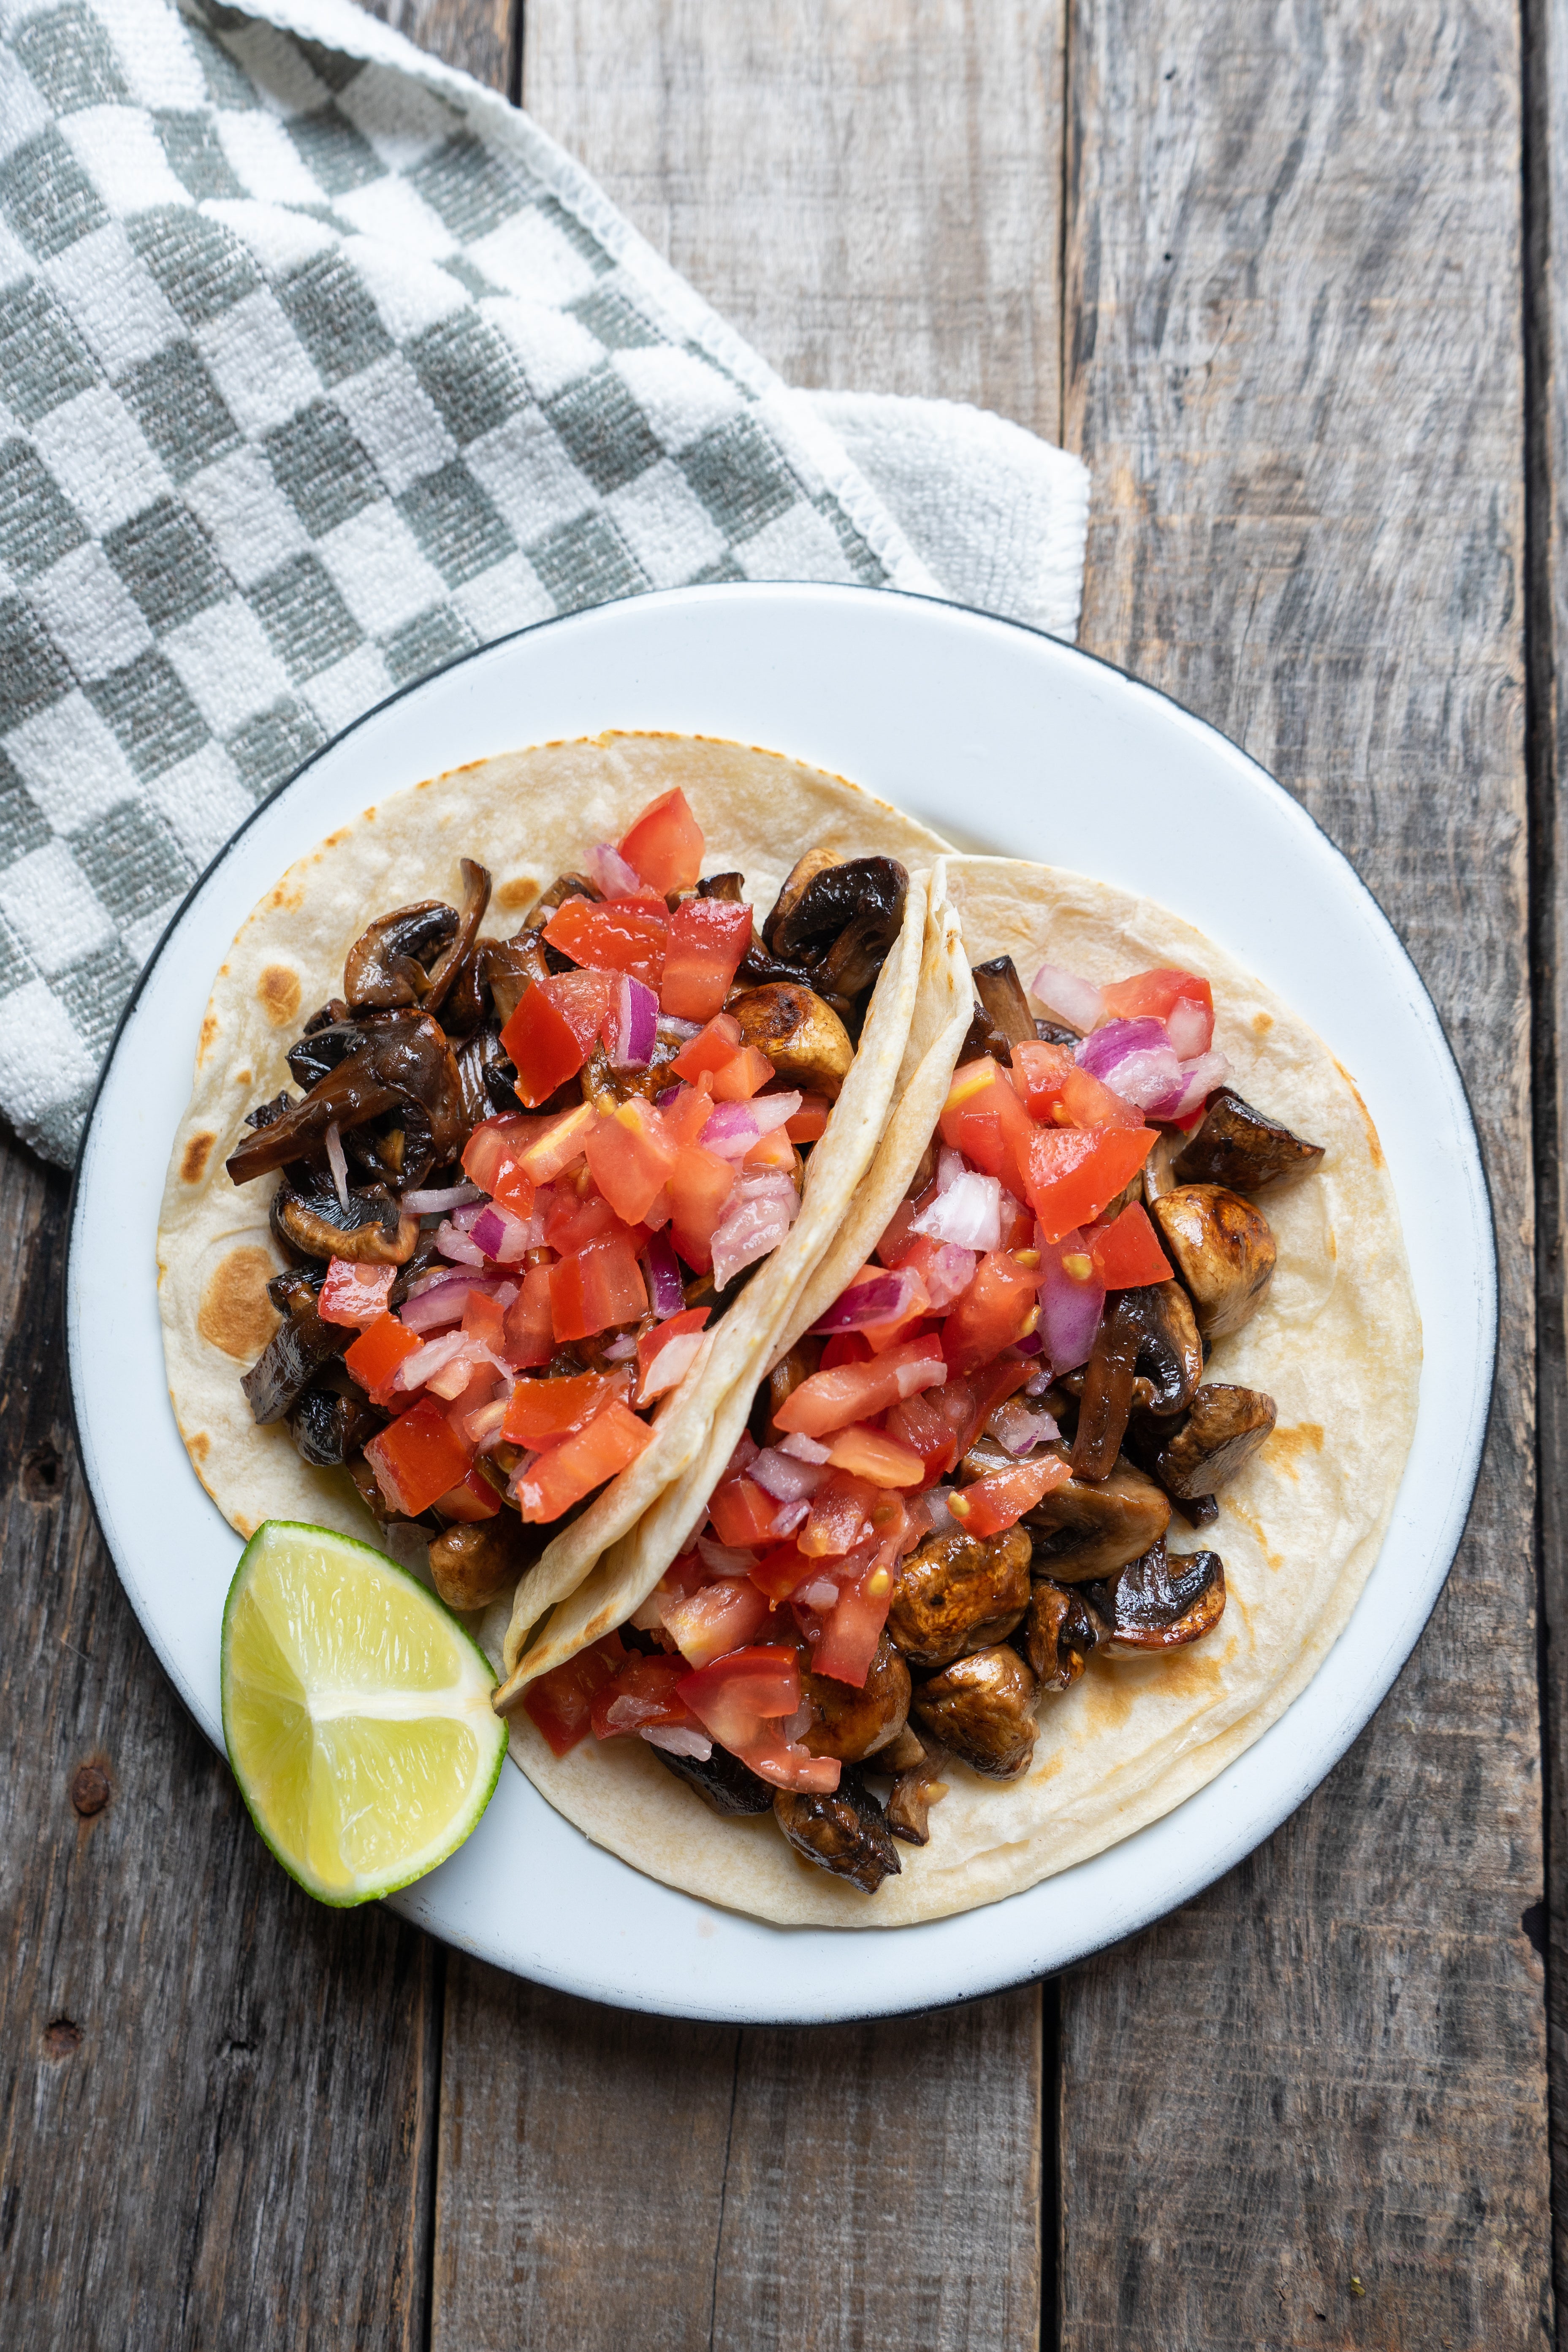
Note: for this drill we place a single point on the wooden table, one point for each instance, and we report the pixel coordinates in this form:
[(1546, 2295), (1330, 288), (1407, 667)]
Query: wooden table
[(1286, 277)]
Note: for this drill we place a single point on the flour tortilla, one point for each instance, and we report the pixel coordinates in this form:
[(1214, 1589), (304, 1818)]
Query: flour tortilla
[(1338, 1346), (528, 815)]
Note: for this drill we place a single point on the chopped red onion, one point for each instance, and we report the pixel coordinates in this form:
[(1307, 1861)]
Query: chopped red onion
[(1190, 1027), (671, 1026), (631, 1025), (337, 1164), (500, 1235), (950, 1166), (1070, 1308), (1202, 1077), (437, 1205), (1039, 1382), (784, 1477), (459, 1247), (730, 1131), (677, 1739), (969, 1212), (672, 1364), (442, 1302), (1076, 1000), (761, 1210), (723, 1560), (467, 1217), (885, 1295), (664, 1277), (933, 1505), (607, 867), (742, 1459), (416, 1368), (803, 1448), (482, 1426), (1031, 1344), (1137, 1061), (949, 1275), (822, 1594), (1019, 1429), (622, 1346), (664, 1100), (789, 1517), (771, 1111)]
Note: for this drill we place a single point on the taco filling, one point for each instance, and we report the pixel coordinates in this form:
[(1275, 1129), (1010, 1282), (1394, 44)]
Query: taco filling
[(525, 1177), (959, 1488)]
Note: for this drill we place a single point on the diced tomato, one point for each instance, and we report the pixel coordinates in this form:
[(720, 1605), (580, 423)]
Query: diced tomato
[(782, 1568), (736, 1696), (774, 1151), (490, 1159), (743, 1513), (484, 1319), (560, 1140), (832, 1399), (665, 845), (840, 1516), (708, 936), (710, 1049), (869, 1454), (1126, 1253), (1073, 1176), (999, 1308), (583, 1001), (1040, 1072), (379, 1350), (699, 1185), (689, 1114), (541, 1412), (848, 1642), (528, 1334), (745, 1073), (1057, 1092), (916, 1422), (1089, 1103), (566, 1473), (1157, 994), (845, 1347), (642, 1691), (572, 1218), (810, 1121), (417, 1457), (354, 1294), (995, 1503), (667, 1353), (631, 1156), (622, 935), (543, 1045), (560, 1703), (471, 1500), (598, 1285), (719, 1617), (983, 1118)]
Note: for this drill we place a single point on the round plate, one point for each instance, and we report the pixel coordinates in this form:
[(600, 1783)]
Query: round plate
[(1003, 739)]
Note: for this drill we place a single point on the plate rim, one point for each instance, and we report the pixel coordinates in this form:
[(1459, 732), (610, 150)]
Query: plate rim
[(1218, 1858)]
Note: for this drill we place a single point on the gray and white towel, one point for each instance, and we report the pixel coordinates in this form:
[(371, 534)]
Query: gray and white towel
[(321, 366)]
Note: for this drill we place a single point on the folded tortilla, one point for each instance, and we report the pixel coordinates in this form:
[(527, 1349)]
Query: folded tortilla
[(1337, 1344), (527, 816)]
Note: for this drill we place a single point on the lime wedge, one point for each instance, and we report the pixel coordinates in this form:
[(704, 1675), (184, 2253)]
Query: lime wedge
[(356, 1712)]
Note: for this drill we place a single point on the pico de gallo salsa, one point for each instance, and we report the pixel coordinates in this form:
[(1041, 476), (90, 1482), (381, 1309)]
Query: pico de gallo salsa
[(957, 1489), (526, 1175)]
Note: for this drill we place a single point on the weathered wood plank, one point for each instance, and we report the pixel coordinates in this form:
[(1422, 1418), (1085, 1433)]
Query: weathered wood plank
[(869, 190), (1294, 256), (479, 36), (215, 2097)]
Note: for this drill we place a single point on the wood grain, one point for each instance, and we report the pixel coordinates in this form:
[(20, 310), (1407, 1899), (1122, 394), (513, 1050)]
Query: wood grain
[(868, 190), (1294, 277), (215, 2097), (479, 36)]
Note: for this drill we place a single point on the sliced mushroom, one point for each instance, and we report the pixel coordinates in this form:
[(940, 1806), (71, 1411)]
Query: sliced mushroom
[(1092, 1527), (1057, 1032), (1001, 992), (982, 1708), (330, 1425), (1224, 1252), (1240, 1146), (793, 889), (802, 1037), (803, 1359), (957, 1592), (387, 964), (983, 1039), (454, 975), (1224, 1430), (1060, 1635), (918, 1787), (1170, 1351), (731, 888), (837, 924), (564, 887), (368, 1228), (854, 1724), (1163, 1601), (402, 1060), (297, 1351), (510, 967), (1106, 1403), (844, 1832), (729, 1787), (475, 1563), (1158, 1177)]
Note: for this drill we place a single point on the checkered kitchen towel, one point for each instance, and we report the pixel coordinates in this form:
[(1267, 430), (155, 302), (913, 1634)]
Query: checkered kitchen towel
[(320, 365)]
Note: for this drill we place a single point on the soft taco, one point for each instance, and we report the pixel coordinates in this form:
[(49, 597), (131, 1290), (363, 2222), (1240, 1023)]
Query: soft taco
[(1075, 1451), (523, 1107)]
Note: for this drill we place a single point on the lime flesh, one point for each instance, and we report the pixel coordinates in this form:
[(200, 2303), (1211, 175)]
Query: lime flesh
[(356, 1711)]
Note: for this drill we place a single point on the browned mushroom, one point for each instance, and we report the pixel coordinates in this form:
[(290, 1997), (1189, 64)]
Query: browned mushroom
[(328, 1425), (1224, 1428), (367, 1228), (957, 1592), (1092, 1527), (802, 1035), (1163, 1601), (727, 1786), (510, 967), (475, 1561), (982, 1708), (731, 888), (918, 1787), (786, 1376), (1058, 1634), (402, 1060), (844, 1832), (1223, 1250), (453, 988), (836, 923), (387, 965), (1240, 1146), (297, 1351), (804, 872), (564, 887), (854, 1724), (1001, 992), (1105, 1405)]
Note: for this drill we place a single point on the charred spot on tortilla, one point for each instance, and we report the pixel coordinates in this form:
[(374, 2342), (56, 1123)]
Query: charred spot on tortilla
[(278, 989), (194, 1158), (235, 1314)]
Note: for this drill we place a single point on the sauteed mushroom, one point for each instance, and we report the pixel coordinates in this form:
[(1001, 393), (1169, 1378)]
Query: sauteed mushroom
[(297, 1351), (731, 888), (803, 1359), (386, 966), (1224, 1252), (802, 1037), (1163, 1601), (1001, 992), (1089, 1527), (1146, 1352), (982, 1708), (1224, 1428), (721, 1780), (368, 1228), (918, 1787), (564, 887), (475, 1561), (1058, 1633), (510, 968), (852, 1723), (453, 976), (1240, 1146), (844, 1832), (793, 889), (330, 1425), (956, 1591), (402, 1060)]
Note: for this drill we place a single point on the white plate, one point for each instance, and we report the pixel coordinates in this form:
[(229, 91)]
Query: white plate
[(1003, 739)]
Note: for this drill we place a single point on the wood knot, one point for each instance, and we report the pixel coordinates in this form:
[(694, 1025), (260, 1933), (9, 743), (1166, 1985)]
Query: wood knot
[(43, 1474), (62, 2038), (90, 1790)]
